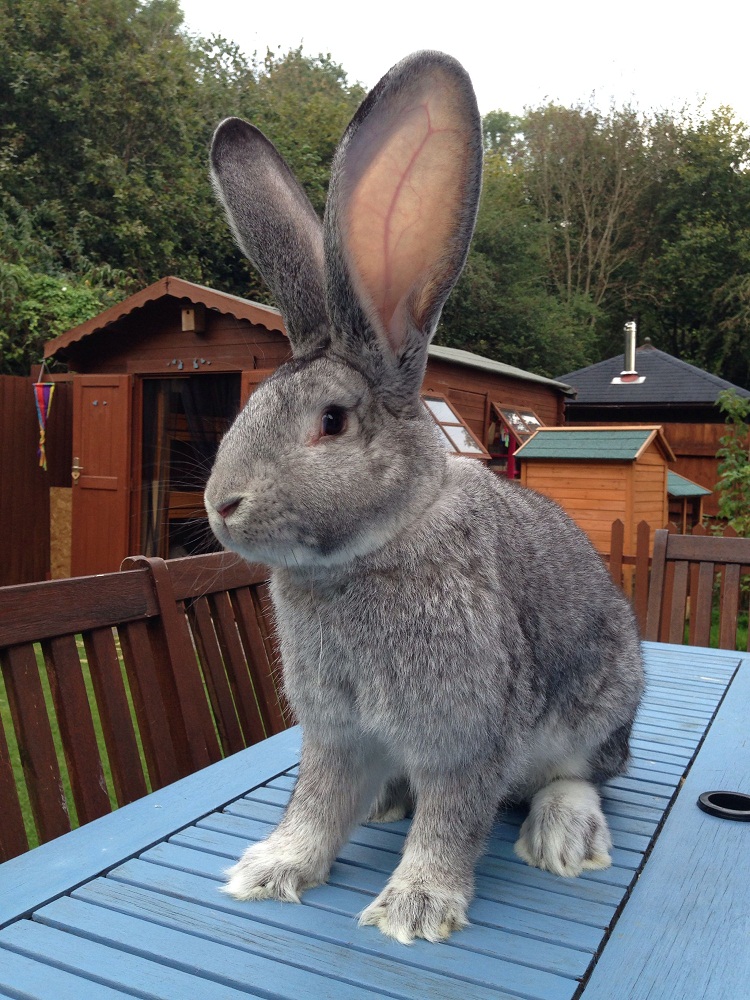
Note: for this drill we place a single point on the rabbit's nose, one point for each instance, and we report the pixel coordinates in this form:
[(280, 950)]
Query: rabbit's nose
[(225, 509)]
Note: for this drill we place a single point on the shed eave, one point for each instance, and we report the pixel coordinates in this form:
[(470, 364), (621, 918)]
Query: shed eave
[(471, 360), (232, 305)]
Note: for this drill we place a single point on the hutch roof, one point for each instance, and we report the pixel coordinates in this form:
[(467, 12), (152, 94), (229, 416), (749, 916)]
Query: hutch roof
[(599, 444)]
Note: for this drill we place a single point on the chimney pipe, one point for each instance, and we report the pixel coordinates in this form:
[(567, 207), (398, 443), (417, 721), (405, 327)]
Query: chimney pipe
[(630, 331), (629, 374)]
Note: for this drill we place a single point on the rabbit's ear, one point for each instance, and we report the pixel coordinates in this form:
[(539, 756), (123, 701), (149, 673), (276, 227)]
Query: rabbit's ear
[(275, 225), (401, 210)]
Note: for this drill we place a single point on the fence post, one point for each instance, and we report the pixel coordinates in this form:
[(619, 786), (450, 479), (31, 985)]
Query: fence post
[(642, 559), (617, 539)]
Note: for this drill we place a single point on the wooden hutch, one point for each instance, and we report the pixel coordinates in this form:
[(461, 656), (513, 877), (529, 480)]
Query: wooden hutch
[(600, 474)]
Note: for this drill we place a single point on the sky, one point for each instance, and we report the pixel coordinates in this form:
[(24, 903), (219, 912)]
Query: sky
[(659, 55)]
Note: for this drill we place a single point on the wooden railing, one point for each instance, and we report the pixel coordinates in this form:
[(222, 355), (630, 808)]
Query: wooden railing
[(632, 572), (121, 683)]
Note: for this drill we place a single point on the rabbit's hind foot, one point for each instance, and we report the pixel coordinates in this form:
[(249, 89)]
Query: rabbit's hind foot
[(394, 802), (408, 908), (565, 832), (268, 872)]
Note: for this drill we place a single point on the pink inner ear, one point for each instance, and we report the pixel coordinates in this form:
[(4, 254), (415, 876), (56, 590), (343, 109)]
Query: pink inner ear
[(406, 171)]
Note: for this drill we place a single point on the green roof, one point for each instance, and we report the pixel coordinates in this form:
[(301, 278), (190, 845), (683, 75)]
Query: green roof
[(595, 445), (678, 486)]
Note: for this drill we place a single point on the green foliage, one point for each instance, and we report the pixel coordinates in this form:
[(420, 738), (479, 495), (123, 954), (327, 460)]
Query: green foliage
[(697, 276), (35, 307), (502, 306), (734, 463), (104, 153)]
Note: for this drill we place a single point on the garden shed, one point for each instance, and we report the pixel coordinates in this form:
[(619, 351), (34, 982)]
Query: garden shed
[(600, 474), (155, 382), (678, 396)]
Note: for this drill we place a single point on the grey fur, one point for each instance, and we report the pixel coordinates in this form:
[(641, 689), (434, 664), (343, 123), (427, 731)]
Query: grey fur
[(446, 635)]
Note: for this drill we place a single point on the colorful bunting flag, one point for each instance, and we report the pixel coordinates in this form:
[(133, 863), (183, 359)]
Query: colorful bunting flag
[(43, 398)]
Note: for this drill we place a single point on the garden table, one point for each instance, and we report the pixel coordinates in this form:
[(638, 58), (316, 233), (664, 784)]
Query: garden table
[(128, 905)]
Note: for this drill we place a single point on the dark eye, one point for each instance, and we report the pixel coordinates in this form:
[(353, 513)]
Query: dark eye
[(333, 421)]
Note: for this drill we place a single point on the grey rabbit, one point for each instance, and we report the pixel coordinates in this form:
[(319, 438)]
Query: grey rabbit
[(450, 640)]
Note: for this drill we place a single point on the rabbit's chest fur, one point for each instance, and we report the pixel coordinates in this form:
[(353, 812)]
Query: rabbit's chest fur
[(464, 635)]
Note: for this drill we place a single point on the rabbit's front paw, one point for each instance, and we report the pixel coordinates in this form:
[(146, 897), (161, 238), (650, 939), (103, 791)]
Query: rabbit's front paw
[(407, 908), (565, 832), (267, 871)]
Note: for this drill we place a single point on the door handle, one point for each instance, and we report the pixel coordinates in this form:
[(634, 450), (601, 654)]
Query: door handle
[(76, 471)]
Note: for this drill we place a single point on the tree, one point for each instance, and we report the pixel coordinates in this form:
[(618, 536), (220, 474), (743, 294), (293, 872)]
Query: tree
[(503, 305), (696, 280), (104, 146), (734, 463), (585, 173)]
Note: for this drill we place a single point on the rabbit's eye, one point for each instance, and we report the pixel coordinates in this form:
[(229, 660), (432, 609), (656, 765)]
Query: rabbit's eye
[(333, 421)]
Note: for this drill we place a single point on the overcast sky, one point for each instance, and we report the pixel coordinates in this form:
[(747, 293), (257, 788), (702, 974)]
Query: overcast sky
[(652, 53)]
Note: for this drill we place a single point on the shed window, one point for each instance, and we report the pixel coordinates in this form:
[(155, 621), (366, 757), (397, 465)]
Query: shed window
[(509, 429), (454, 433)]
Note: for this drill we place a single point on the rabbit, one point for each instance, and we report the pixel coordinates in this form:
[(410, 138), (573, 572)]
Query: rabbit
[(450, 641)]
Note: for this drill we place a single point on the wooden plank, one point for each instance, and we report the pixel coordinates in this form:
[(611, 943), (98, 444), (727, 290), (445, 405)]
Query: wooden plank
[(40, 981), (730, 601), (114, 711), (246, 703), (215, 676), (112, 967), (195, 576), (190, 723), (85, 769), (701, 596), (710, 548), (322, 944), (13, 839), (34, 735), (615, 551), (33, 879), (656, 586), (35, 611), (694, 887), (153, 722), (261, 669)]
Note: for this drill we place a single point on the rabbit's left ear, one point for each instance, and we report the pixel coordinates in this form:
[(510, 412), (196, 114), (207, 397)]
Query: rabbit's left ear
[(404, 192)]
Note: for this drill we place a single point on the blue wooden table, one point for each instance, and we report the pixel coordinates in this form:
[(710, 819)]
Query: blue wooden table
[(129, 904)]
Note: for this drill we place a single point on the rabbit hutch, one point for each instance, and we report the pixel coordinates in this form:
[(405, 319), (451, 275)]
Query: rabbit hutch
[(156, 381), (601, 474)]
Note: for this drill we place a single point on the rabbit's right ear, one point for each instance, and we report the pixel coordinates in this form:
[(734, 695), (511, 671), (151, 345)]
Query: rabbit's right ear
[(276, 227)]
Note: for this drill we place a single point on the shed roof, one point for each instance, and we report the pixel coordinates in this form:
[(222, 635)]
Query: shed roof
[(233, 305), (679, 486), (597, 444), (667, 380), (471, 360)]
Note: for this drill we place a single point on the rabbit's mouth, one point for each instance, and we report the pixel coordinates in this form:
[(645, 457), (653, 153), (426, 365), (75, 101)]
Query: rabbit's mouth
[(287, 542)]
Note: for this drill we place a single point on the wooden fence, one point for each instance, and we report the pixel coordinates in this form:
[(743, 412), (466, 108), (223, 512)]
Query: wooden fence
[(24, 486), (122, 683), (632, 572)]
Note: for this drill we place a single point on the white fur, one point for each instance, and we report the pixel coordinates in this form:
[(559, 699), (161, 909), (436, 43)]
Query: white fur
[(565, 831)]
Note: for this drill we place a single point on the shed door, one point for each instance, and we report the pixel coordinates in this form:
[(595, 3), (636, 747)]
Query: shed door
[(101, 472), (251, 380)]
